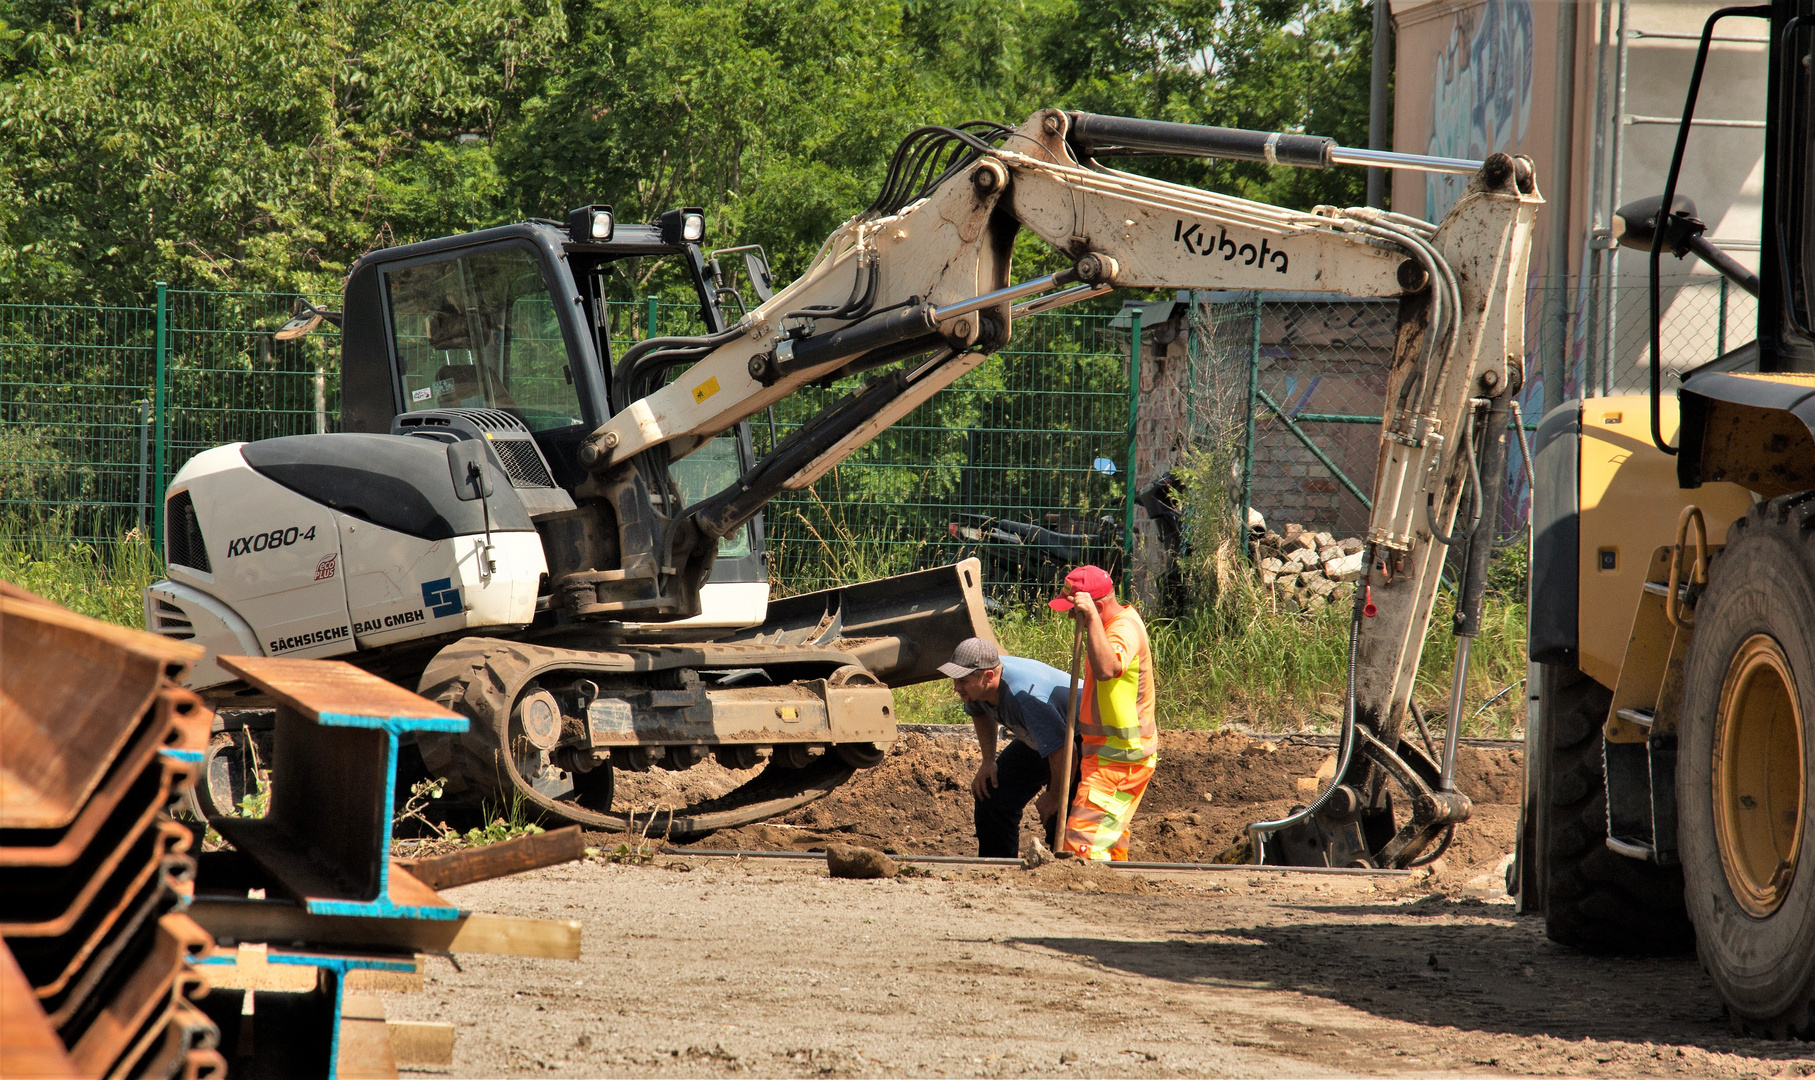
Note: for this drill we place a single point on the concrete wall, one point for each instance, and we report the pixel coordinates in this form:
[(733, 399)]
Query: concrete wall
[(1476, 76)]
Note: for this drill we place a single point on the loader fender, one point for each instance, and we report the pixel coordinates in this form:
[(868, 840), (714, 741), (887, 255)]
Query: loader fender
[(1628, 502)]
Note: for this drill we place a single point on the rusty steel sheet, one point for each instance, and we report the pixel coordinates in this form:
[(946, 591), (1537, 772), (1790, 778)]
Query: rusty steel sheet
[(169, 1033), (29, 1046), (149, 991), (112, 937), (177, 726), (71, 691), (49, 901), (327, 836), (901, 628)]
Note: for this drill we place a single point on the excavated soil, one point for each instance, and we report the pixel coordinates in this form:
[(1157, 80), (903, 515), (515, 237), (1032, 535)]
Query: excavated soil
[(1206, 790)]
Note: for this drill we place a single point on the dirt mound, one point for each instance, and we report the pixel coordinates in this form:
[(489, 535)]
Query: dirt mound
[(1079, 875), (1207, 789)]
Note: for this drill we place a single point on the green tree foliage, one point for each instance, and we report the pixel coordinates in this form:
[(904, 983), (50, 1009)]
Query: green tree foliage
[(237, 143), (263, 144)]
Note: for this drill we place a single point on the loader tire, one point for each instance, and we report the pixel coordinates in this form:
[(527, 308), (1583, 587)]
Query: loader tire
[(1593, 899), (1746, 752)]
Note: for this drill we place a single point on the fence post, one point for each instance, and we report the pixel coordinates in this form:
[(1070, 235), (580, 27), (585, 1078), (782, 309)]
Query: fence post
[(1134, 414), (1720, 333), (144, 405), (1248, 443), (159, 406), (650, 319)]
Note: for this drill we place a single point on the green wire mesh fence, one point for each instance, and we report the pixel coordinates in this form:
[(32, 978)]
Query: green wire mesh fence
[(1024, 462)]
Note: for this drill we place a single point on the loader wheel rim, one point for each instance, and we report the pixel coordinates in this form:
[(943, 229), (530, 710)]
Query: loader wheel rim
[(1758, 776)]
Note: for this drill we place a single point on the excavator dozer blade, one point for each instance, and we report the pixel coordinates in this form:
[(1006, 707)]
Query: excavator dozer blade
[(902, 628)]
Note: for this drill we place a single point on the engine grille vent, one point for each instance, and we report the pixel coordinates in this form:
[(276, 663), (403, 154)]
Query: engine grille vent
[(183, 535), (171, 621), (522, 463)]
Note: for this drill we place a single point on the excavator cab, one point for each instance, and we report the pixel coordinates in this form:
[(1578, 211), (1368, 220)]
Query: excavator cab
[(519, 320)]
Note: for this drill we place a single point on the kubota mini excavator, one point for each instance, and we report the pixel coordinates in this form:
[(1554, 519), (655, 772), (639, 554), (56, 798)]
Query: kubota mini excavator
[(558, 541)]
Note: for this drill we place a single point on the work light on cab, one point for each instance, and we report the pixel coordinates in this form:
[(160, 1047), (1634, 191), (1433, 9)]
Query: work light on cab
[(686, 225), (590, 222)]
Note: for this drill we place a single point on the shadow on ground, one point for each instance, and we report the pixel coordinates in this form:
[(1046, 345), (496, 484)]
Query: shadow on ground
[(1497, 974)]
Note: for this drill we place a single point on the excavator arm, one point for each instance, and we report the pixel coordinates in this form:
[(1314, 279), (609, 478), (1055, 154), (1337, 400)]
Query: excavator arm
[(918, 289)]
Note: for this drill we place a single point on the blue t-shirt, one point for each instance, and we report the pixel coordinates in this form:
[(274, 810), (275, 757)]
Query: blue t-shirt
[(1031, 703)]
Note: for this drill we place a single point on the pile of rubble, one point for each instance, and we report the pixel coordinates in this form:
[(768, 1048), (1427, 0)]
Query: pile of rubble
[(1307, 571)]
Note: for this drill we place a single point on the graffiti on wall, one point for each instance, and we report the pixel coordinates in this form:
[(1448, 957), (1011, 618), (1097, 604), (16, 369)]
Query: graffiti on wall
[(1482, 98)]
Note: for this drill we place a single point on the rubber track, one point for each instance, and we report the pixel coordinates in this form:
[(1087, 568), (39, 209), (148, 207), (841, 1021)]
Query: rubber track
[(1598, 901), (481, 679)]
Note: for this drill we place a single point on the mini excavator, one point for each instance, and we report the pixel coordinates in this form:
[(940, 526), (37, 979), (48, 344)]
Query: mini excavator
[(564, 544)]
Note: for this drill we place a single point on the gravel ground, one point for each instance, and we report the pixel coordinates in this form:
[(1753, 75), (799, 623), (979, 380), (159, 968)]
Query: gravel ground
[(696, 965), (703, 966)]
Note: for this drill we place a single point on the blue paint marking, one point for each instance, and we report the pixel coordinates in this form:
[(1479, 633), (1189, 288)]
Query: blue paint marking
[(396, 725), (441, 598), (192, 757)]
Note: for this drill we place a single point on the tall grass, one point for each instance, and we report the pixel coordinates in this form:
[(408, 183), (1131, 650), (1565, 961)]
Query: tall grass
[(1226, 655), (106, 581), (1225, 658)]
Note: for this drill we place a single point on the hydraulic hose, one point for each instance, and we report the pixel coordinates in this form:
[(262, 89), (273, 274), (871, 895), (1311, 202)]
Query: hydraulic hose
[(1474, 479), (667, 352)]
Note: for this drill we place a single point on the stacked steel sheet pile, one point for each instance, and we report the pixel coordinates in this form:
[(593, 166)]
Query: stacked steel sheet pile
[(96, 743)]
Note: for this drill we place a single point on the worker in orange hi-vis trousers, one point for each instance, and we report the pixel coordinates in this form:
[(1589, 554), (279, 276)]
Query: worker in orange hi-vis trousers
[(1121, 739)]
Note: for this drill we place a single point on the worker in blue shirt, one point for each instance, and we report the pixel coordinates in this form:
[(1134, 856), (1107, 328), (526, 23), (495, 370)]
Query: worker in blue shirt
[(1029, 699)]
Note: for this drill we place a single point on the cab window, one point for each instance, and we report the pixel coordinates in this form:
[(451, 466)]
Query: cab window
[(480, 331), (707, 471)]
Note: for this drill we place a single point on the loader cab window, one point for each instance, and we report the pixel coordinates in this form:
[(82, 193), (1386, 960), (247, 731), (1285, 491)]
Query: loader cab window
[(480, 331)]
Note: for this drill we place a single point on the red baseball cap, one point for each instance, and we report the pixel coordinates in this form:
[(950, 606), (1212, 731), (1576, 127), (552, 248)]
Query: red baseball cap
[(1085, 579)]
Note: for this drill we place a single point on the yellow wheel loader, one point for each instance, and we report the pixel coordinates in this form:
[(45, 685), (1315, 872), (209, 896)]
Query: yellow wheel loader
[(1673, 612)]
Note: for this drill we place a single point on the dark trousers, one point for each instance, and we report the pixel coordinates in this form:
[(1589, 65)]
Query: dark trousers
[(1021, 773)]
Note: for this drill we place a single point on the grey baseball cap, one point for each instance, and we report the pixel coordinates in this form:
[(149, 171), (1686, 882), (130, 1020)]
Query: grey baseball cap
[(972, 654)]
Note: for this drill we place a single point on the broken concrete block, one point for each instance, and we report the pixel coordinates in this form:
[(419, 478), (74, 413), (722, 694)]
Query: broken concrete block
[(850, 861), (1346, 568), (1292, 531), (1321, 586), (1325, 539), (1350, 545), (1275, 565), (1325, 554)]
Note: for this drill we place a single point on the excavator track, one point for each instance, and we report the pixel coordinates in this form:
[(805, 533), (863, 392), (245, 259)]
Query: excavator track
[(483, 679)]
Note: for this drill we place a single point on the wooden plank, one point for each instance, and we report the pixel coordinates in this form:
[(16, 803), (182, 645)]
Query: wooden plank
[(254, 966), (499, 860), (335, 692), (368, 981), (250, 920), (365, 1040), (419, 1042), (29, 1047)]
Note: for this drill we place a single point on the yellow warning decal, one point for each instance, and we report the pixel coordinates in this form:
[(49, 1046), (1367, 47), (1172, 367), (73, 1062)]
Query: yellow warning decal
[(706, 389)]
